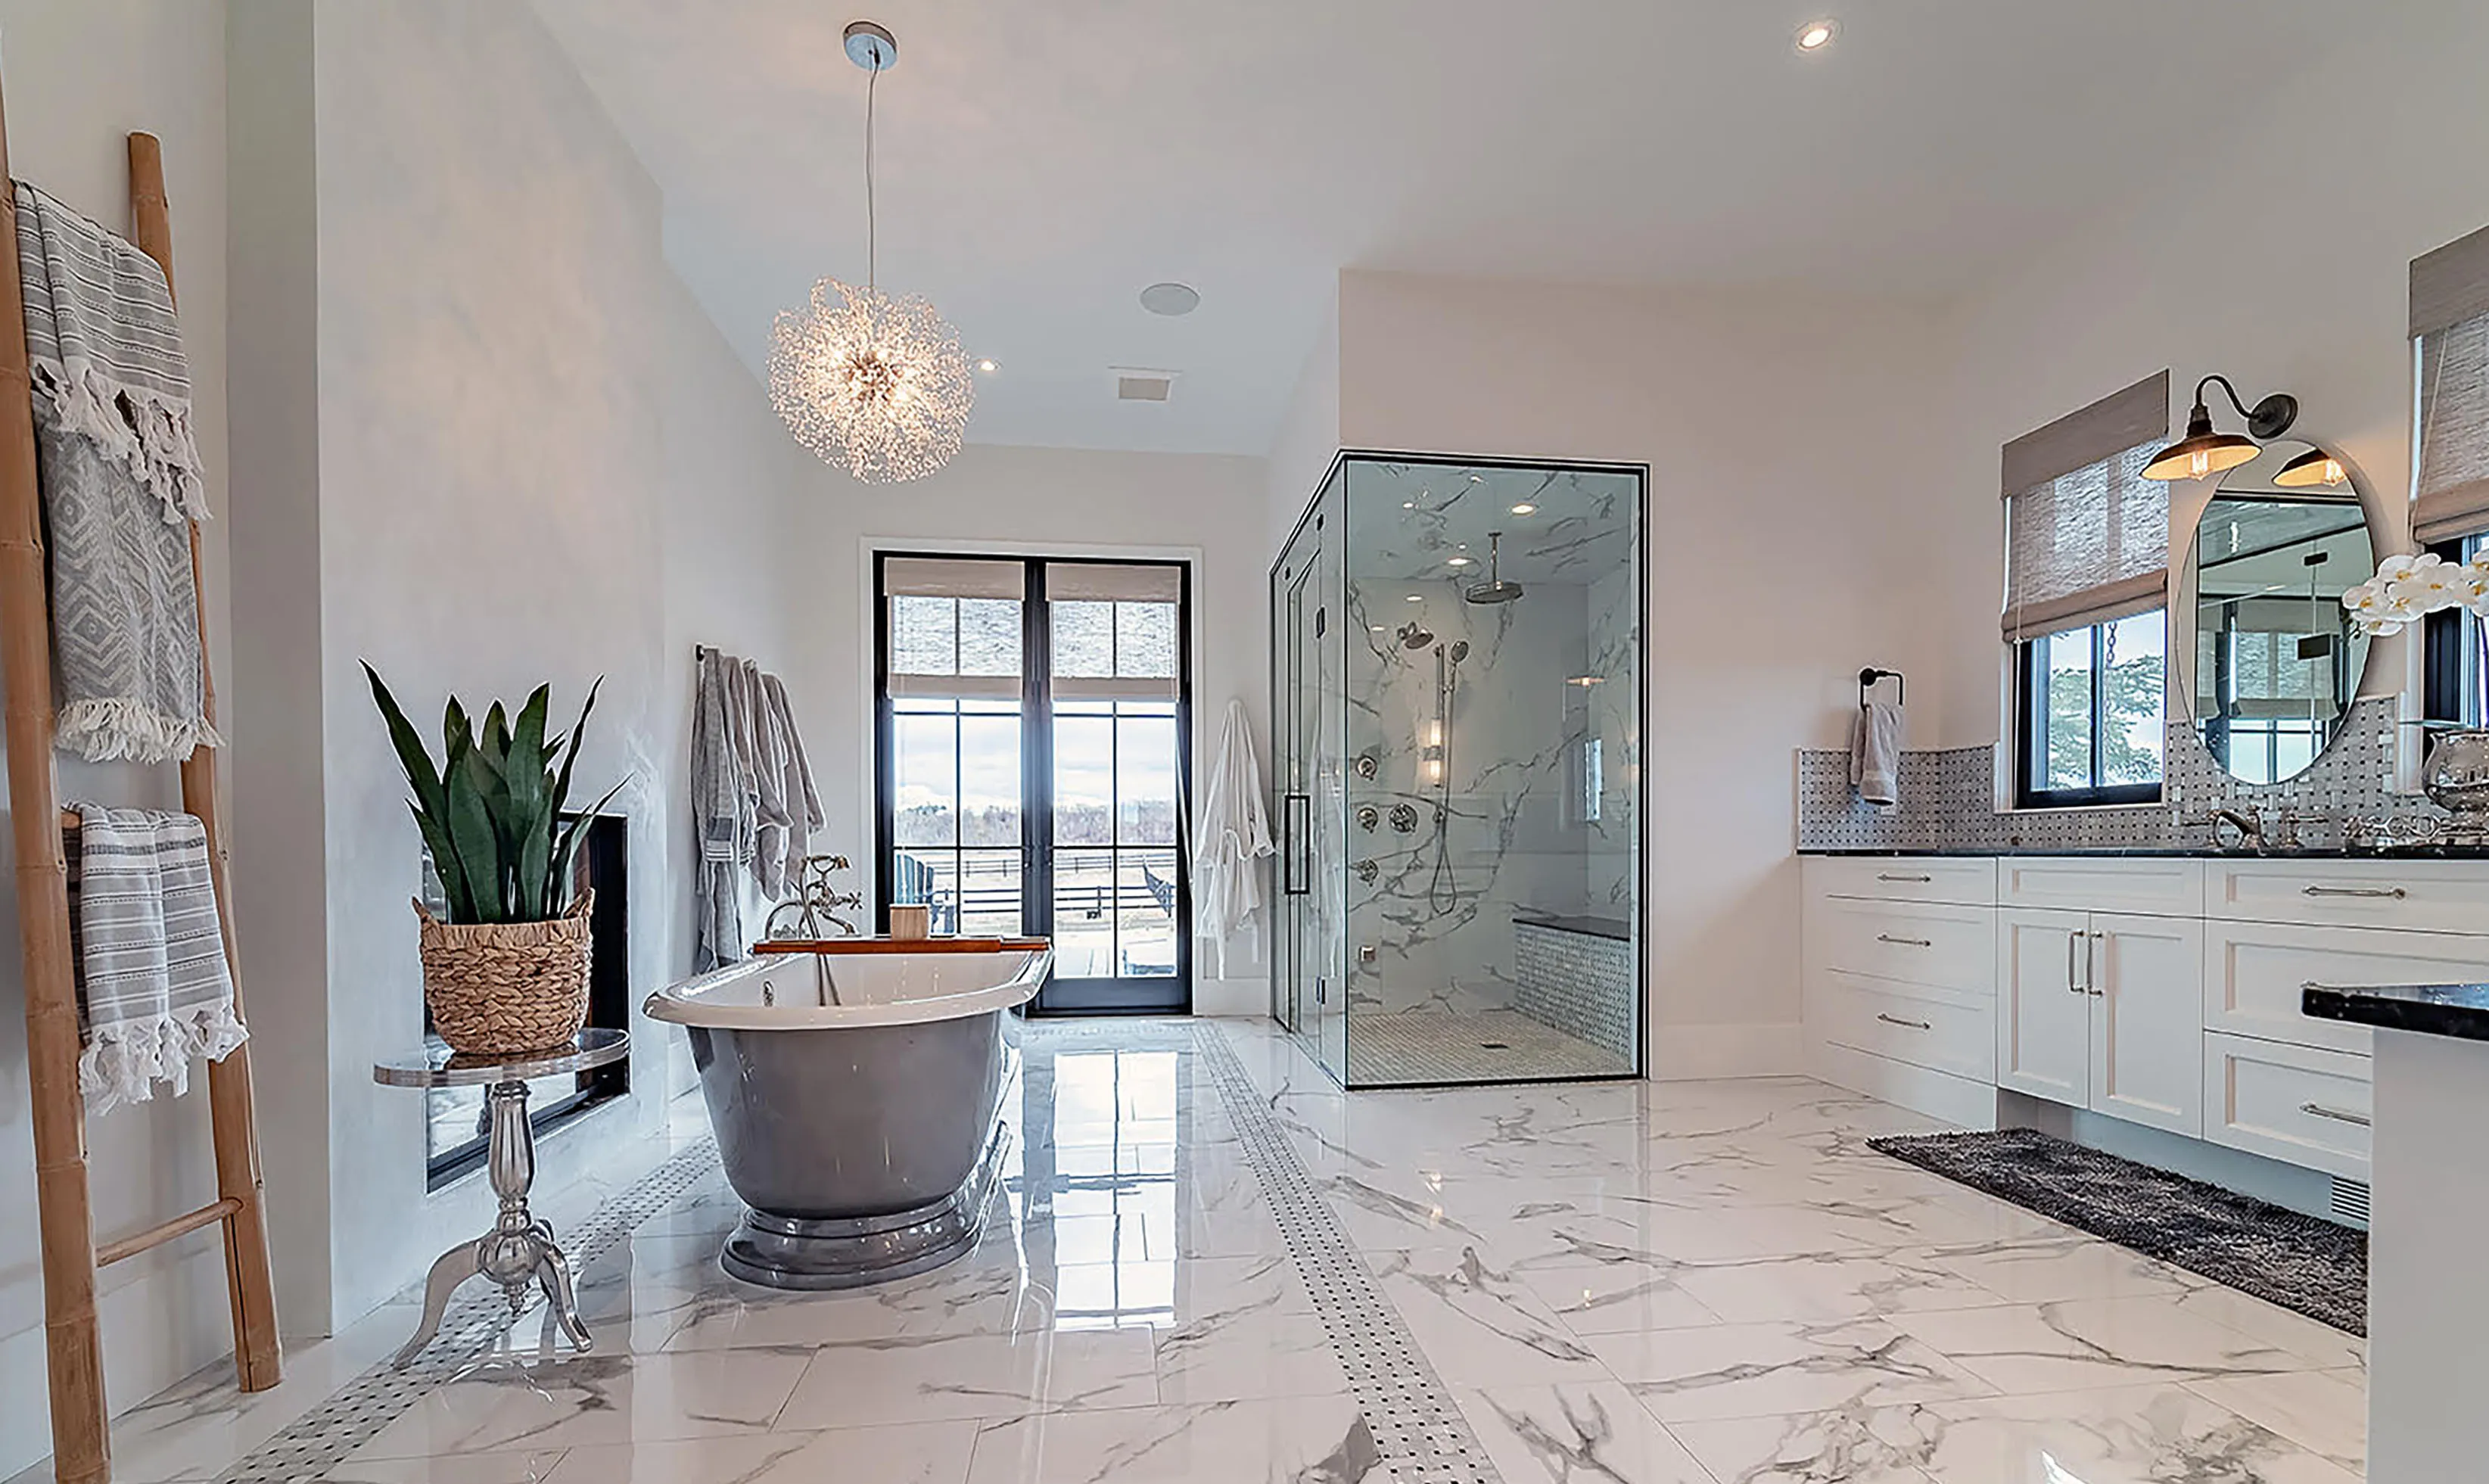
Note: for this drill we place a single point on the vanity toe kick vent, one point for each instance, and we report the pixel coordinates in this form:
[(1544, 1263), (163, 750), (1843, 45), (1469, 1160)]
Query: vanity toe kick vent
[(2351, 1202)]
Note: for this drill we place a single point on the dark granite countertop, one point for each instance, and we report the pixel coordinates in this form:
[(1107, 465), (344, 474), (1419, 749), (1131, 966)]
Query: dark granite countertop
[(1615, 927), (2434, 1009), (2165, 852)]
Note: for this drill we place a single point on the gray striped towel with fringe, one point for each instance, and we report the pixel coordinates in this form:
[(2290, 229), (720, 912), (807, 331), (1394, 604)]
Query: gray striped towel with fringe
[(153, 988)]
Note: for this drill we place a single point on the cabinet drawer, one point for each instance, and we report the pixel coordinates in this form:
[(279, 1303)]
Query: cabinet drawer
[(1928, 944), (2430, 895), (2300, 1104), (1941, 1035), (1903, 878), (2151, 886), (2253, 973)]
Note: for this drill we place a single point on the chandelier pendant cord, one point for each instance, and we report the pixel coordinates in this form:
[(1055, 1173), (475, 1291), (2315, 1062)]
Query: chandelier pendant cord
[(872, 227)]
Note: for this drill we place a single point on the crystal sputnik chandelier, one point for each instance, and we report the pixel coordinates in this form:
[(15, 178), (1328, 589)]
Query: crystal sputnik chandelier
[(865, 379)]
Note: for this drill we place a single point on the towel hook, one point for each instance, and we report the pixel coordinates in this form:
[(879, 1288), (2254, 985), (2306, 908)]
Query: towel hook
[(1867, 678)]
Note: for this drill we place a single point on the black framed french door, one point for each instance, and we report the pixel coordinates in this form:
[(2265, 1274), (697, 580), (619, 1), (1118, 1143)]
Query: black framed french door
[(1032, 763)]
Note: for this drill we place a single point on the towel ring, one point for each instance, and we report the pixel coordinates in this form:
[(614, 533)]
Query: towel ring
[(1867, 678)]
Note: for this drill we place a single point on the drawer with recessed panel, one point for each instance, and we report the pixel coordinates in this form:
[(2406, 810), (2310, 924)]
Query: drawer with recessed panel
[(1933, 945), (1903, 878), (2425, 895), (2301, 1104)]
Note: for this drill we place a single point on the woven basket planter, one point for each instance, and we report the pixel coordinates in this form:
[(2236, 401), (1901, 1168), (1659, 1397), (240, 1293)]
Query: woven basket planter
[(498, 988)]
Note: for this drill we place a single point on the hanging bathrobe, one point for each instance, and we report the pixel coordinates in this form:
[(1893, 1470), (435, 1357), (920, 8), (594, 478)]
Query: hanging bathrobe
[(1234, 835)]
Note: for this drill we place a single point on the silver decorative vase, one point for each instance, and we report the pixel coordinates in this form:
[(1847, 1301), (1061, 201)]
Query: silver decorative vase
[(2457, 774)]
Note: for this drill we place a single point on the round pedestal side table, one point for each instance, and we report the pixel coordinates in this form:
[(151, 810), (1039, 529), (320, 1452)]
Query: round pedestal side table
[(519, 1251)]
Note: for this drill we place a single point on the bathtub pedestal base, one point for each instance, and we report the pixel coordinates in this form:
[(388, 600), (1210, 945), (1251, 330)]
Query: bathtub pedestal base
[(797, 1252)]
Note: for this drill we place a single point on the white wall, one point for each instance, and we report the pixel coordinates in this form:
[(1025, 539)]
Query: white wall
[(1205, 509), (1790, 544), (2281, 261), (80, 79)]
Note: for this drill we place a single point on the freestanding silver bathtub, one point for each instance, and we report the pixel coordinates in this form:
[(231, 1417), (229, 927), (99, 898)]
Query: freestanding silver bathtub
[(854, 1089)]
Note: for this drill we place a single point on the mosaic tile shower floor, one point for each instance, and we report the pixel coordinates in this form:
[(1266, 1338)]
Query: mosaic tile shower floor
[(1491, 1045), (1212, 1265)]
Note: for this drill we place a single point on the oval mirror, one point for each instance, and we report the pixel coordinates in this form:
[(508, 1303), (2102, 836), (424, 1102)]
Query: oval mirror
[(2275, 661)]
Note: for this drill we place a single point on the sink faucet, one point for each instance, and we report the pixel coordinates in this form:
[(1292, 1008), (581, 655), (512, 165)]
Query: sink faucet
[(2250, 828)]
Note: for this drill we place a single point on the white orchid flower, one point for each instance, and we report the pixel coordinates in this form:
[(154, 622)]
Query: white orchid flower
[(2397, 568), (2471, 587), (2431, 587)]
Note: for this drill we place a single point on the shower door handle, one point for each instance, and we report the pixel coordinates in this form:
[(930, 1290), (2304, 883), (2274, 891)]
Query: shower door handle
[(1296, 861)]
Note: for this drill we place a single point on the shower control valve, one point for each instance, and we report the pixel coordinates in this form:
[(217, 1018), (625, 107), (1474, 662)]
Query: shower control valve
[(1367, 871), (1404, 817), (1368, 817)]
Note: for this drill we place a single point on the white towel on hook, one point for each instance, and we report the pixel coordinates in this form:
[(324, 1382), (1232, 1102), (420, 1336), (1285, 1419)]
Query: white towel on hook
[(1876, 753)]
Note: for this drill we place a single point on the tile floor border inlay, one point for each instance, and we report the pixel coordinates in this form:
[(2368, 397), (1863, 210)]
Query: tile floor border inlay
[(1417, 1428), (320, 1439)]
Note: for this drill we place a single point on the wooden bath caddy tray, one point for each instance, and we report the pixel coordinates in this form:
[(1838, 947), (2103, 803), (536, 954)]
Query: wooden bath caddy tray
[(902, 946)]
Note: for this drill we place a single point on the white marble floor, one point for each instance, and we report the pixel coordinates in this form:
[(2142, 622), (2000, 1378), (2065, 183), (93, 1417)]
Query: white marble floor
[(1678, 1283)]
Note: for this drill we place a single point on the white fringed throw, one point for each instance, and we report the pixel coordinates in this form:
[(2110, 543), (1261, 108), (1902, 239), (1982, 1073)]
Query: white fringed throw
[(153, 987), (121, 481)]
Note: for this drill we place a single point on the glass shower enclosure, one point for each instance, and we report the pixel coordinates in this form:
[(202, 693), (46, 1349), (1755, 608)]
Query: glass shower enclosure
[(1457, 686)]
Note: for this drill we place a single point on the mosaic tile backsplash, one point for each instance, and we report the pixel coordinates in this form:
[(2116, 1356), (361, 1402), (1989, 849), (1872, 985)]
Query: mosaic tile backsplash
[(1948, 797)]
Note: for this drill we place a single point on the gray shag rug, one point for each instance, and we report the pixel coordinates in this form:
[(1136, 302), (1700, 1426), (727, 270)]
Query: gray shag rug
[(2318, 1268)]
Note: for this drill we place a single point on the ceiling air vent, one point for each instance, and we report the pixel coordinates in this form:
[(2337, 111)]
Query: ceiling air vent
[(1133, 383)]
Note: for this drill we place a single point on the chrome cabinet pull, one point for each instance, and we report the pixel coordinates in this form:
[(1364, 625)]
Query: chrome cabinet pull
[(1890, 876), (2072, 983), (2320, 1110), (1886, 937), (1916, 1025), (2396, 893), (2091, 970)]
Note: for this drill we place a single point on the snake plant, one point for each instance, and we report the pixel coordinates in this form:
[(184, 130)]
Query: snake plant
[(492, 812)]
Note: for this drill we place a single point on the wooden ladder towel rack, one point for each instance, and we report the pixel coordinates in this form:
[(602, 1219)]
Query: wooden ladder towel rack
[(81, 1443)]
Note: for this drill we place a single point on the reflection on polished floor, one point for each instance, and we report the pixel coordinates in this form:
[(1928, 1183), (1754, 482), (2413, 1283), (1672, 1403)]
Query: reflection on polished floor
[(1689, 1283)]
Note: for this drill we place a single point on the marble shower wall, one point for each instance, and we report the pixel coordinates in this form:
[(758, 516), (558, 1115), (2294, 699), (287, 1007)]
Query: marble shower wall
[(1611, 863), (1440, 922)]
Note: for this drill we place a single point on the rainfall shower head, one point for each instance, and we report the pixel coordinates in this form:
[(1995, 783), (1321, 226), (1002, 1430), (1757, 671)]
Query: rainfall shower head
[(1495, 590), (1416, 636)]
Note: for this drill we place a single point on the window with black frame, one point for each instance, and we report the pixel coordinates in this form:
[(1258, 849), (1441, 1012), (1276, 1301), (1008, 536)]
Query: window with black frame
[(2450, 331), (2086, 617)]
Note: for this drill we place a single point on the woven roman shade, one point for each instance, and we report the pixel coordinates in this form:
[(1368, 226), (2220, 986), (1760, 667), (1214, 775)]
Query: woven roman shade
[(955, 627), (2087, 536), (1113, 625), (2449, 324)]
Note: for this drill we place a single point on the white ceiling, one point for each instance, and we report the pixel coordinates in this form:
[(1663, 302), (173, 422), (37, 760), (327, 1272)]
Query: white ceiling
[(1041, 163)]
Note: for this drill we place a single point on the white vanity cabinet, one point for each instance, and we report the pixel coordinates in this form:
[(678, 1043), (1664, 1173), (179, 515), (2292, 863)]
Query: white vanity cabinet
[(2101, 1010), (2162, 990)]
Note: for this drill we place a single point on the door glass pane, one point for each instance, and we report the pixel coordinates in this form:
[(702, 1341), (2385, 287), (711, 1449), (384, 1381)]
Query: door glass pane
[(1084, 913), (1084, 773), (2068, 724), (990, 636), (930, 877), (1084, 637), (989, 901), (1145, 913), (2132, 701), (924, 635), (924, 773), (989, 780), (1145, 776), (1145, 639)]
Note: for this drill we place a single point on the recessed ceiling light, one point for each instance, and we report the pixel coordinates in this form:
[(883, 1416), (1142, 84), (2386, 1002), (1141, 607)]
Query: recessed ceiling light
[(1457, 561), (1417, 597), (987, 368), (1816, 34), (1408, 504), (1170, 298), (1525, 508)]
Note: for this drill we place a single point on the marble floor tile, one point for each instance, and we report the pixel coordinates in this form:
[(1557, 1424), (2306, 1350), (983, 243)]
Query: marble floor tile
[(932, 1379), (1772, 1370), (924, 1453), (2320, 1346), (1241, 1329), (1828, 1287), (595, 1399), (1479, 1325), (2324, 1411), (1576, 1433), (526, 1468), (2087, 1343), (1619, 1297), (2067, 1265), (1302, 1441)]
